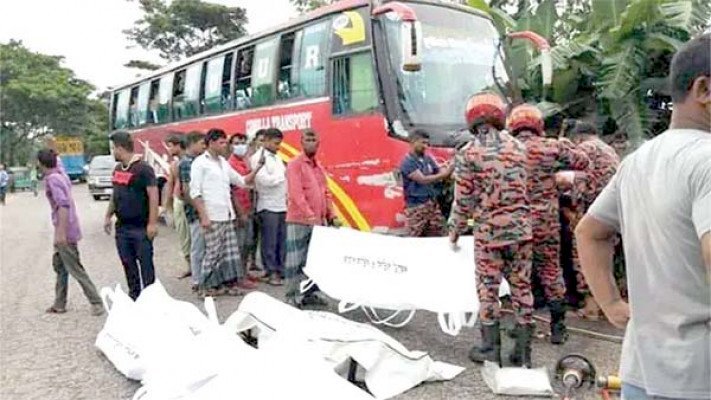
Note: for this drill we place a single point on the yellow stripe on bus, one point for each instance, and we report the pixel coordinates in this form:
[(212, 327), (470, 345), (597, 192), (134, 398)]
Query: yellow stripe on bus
[(288, 152)]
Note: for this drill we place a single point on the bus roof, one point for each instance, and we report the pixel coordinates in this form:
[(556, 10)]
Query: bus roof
[(313, 15), (318, 13)]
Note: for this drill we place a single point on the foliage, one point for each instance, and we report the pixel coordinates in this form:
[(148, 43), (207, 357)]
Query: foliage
[(39, 96), (181, 28), (609, 56), (308, 5), (141, 64)]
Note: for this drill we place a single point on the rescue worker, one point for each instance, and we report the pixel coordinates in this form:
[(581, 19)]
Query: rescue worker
[(604, 162), (490, 189), (546, 156)]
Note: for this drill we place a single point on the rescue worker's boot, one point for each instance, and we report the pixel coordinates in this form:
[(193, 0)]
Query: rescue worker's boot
[(521, 355), (559, 334), (490, 347)]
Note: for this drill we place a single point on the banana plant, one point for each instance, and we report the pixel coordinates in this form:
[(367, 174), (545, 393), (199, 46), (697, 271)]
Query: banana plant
[(611, 56)]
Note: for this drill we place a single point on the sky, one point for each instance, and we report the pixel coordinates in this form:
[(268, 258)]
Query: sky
[(88, 33)]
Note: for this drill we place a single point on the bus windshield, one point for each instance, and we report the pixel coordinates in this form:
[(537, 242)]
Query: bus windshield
[(459, 50)]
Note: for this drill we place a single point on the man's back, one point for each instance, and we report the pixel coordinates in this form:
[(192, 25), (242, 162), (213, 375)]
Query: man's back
[(604, 162), (491, 183), (661, 197)]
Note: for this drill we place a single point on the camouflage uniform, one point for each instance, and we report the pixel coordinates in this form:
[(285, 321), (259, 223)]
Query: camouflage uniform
[(604, 162), (547, 156), (490, 189)]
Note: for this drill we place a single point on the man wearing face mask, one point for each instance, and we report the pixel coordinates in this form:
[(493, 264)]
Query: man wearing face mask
[(242, 202)]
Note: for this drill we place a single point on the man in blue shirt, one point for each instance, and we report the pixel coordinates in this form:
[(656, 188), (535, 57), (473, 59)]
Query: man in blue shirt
[(4, 182), (420, 174)]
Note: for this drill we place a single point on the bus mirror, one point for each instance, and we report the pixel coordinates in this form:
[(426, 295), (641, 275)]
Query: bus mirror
[(411, 46)]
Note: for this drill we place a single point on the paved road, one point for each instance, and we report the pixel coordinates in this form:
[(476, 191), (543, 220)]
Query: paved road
[(53, 357)]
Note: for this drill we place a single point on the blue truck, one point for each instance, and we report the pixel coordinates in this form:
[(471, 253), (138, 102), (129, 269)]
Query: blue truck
[(71, 152)]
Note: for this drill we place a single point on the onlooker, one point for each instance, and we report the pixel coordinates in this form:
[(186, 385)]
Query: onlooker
[(309, 203), (195, 147), (135, 203), (242, 202), (255, 145), (420, 174), (50, 142), (175, 144), (4, 182), (271, 206), (67, 234), (660, 200), (210, 179)]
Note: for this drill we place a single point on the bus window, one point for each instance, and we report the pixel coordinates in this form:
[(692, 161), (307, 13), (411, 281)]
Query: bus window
[(243, 78), (165, 93), (193, 83), (285, 86), (153, 102), (133, 108), (263, 73), (179, 96), (122, 103), (312, 69), (217, 84), (144, 92), (354, 84)]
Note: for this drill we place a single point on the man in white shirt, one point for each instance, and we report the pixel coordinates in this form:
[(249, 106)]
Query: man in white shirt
[(660, 200), (271, 206), (210, 180)]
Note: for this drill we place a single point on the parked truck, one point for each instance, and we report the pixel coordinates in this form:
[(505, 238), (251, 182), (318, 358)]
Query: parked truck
[(71, 152)]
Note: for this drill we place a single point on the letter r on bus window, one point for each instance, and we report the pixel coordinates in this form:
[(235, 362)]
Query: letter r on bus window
[(312, 57)]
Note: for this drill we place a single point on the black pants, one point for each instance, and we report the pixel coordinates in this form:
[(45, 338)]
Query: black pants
[(136, 253), (273, 243)]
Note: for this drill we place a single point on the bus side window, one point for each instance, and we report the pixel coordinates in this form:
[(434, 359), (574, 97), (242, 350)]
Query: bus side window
[(153, 102), (179, 96), (114, 106), (165, 94), (354, 84), (144, 92), (133, 108), (285, 84), (217, 83), (265, 58), (313, 49), (122, 106), (243, 78), (192, 94)]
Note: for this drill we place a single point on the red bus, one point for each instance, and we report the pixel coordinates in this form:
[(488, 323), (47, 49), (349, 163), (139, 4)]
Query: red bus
[(364, 74)]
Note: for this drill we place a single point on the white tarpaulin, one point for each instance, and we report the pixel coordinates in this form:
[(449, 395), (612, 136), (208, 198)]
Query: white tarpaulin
[(385, 365), (402, 274), (180, 354)]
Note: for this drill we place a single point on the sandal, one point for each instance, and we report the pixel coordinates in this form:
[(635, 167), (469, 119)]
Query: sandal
[(55, 310)]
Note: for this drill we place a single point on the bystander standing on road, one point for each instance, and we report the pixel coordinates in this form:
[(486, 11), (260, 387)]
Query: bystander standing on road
[(420, 176), (4, 183), (660, 201), (175, 144), (134, 202), (271, 206), (210, 180), (195, 142), (67, 235), (242, 202), (309, 204)]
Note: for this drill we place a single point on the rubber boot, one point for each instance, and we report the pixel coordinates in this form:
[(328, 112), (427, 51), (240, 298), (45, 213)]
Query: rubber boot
[(521, 355), (559, 333), (490, 348)]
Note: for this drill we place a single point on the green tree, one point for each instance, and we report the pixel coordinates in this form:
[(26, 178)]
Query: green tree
[(181, 28), (39, 96), (308, 5), (610, 57)]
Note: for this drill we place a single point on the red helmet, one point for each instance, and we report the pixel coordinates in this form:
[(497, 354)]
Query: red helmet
[(525, 116), (486, 108)]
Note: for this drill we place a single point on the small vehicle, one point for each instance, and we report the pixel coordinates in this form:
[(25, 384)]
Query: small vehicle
[(21, 179), (101, 169)]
